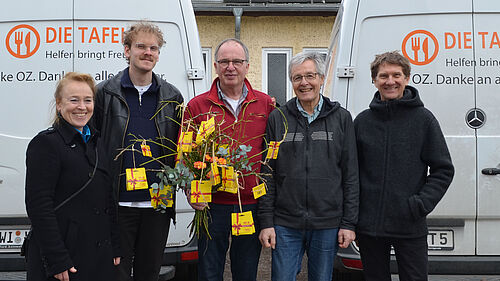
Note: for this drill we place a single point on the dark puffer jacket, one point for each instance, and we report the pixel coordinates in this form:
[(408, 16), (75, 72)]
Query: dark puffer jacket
[(405, 167), (314, 182)]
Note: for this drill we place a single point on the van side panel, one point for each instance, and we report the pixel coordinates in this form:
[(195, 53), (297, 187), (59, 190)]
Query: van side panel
[(423, 36), (27, 84), (454, 50), (43, 41)]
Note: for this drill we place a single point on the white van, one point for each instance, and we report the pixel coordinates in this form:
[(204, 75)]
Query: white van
[(40, 41), (454, 49)]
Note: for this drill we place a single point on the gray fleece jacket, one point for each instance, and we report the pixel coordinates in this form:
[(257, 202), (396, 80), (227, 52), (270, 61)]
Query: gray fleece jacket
[(314, 182)]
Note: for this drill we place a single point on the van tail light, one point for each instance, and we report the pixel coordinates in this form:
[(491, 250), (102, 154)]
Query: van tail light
[(189, 256), (354, 264)]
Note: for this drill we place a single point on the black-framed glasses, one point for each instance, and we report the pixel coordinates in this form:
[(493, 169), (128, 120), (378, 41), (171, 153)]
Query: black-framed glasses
[(144, 47), (236, 62), (309, 77)]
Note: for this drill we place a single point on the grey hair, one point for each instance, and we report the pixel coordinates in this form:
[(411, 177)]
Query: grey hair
[(247, 54), (301, 57)]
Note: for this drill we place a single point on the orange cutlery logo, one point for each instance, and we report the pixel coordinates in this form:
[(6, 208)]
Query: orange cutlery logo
[(22, 41), (420, 47)]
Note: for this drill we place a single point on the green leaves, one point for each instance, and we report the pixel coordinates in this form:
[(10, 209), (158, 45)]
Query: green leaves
[(239, 158), (180, 176)]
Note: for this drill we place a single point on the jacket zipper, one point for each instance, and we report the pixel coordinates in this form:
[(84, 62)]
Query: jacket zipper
[(306, 136), (382, 193)]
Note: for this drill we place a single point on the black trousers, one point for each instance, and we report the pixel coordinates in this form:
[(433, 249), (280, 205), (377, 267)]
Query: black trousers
[(143, 234), (411, 257)]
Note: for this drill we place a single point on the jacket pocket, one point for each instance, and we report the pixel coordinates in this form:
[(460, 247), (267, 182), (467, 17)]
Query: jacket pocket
[(290, 196), (399, 220), (324, 198)]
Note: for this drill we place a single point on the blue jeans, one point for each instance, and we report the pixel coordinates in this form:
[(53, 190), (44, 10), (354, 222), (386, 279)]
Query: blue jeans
[(321, 246), (244, 252)]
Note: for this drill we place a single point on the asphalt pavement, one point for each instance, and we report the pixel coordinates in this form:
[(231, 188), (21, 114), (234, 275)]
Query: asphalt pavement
[(264, 271)]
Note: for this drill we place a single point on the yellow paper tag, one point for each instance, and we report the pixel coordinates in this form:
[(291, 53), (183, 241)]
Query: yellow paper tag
[(272, 150), (201, 192), (242, 223), (161, 197), (206, 128), (186, 142), (136, 179), (229, 180), (146, 150), (259, 190), (215, 174)]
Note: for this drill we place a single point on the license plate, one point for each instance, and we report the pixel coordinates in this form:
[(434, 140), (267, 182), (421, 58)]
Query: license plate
[(12, 238), (440, 240)]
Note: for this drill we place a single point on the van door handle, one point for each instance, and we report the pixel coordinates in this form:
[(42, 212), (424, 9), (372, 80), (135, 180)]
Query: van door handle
[(490, 171)]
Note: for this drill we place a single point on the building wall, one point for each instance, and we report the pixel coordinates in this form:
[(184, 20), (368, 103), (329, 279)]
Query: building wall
[(259, 32)]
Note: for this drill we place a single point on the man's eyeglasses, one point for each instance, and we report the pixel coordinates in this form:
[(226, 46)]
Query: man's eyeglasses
[(236, 62), (309, 77), (144, 47)]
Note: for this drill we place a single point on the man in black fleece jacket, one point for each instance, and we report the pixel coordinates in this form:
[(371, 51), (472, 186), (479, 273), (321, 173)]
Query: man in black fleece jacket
[(405, 169), (312, 199)]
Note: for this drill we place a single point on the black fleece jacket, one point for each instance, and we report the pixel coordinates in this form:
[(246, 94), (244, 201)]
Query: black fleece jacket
[(314, 182), (405, 167)]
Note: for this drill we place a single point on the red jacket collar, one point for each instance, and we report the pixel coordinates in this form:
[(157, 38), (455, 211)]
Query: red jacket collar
[(213, 95)]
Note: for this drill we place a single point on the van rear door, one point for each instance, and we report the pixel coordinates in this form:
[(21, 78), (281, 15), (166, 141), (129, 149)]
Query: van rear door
[(487, 70)]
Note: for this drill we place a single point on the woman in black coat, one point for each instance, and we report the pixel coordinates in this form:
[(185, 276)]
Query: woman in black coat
[(78, 241)]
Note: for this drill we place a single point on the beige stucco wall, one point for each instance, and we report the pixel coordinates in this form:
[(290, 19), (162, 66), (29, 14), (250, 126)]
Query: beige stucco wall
[(266, 32)]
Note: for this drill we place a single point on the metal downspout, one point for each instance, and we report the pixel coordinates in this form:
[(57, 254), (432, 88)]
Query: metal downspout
[(237, 12)]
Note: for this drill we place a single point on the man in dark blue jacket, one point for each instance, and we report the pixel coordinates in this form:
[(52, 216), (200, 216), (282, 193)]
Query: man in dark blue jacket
[(312, 199), (136, 102), (404, 170)]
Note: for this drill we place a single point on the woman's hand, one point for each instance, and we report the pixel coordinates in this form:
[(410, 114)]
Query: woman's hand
[(64, 276)]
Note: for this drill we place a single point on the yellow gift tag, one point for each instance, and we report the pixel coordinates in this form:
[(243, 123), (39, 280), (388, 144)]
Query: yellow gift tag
[(242, 223), (259, 190), (201, 191), (146, 150), (215, 173), (272, 150), (136, 179), (160, 196), (229, 180), (186, 142), (206, 128)]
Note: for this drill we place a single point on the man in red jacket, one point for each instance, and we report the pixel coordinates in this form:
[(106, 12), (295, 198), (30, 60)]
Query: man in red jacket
[(233, 99)]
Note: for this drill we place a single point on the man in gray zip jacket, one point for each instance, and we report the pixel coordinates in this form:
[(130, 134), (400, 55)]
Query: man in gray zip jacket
[(312, 199)]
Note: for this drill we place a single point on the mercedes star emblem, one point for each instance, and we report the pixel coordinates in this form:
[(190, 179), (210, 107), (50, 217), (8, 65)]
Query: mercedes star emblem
[(475, 118)]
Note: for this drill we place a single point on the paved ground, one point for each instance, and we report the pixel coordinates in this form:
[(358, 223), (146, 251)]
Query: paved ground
[(264, 272)]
